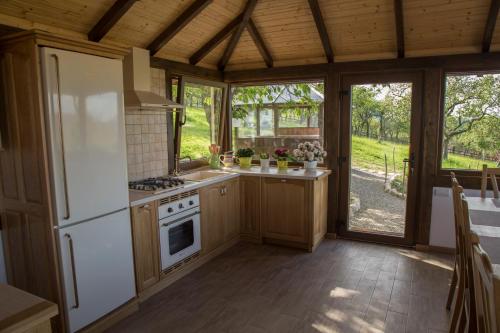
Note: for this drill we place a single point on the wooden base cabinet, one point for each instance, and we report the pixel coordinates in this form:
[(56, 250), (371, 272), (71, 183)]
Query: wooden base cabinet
[(294, 211), (145, 236), (219, 205), (250, 208)]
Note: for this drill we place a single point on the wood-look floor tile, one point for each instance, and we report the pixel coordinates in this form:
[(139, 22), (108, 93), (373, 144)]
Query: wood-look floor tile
[(344, 286)]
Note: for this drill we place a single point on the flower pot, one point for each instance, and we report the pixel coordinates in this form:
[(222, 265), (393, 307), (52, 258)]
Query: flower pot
[(282, 165), (264, 163), (245, 162), (310, 165)]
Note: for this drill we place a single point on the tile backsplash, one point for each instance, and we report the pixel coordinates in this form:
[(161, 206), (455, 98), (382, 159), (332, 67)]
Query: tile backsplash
[(147, 137)]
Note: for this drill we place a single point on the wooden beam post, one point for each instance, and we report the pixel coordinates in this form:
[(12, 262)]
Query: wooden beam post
[(490, 25), (247, 12), (400, 37), (259, 42), (109, 19), (179, 23), (320, 25), (215, 40)]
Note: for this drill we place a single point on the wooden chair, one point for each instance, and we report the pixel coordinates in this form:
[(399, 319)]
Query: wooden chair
[(459, 318), (487, 292), (492, 173)]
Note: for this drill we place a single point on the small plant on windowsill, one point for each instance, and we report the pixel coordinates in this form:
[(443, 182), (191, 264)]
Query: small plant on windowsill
[(264, 160), (282, 157), (244, 156)]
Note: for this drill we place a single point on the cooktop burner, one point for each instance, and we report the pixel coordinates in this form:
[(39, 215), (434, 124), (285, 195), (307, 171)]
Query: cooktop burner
[(158, 184)]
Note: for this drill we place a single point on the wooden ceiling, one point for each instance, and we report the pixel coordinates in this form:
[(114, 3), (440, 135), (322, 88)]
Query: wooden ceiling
[(242, 34)]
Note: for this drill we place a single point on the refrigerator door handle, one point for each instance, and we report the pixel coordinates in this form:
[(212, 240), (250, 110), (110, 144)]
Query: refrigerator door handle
[(61, 137), (73, 271)]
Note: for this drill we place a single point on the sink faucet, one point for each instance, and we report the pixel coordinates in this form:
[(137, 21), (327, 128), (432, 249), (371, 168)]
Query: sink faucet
[(177, 164)]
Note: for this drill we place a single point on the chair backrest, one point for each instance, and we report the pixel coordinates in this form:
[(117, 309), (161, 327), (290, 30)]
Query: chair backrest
[(492, 173), (486, 291), (457, 191)]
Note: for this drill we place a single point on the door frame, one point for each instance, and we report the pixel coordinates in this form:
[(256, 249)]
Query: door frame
[(412, 204)]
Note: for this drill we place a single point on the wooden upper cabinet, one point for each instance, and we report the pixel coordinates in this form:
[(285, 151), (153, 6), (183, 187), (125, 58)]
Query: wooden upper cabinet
[(231, 202), (212, 217), (285, 209), (146, 245), (250, 207)]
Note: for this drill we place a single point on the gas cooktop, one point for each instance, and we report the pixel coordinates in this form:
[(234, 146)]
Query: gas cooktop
[(157, 184)]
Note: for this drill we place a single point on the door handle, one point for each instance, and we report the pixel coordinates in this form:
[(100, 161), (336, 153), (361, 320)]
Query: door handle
[(67, 213), (73, 272)]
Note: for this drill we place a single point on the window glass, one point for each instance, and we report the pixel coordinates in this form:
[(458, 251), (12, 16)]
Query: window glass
[(201, 128), (471, 132), (267, 117)]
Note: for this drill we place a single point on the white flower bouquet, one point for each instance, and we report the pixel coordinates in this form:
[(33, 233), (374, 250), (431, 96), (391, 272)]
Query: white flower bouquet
[(309, 152)]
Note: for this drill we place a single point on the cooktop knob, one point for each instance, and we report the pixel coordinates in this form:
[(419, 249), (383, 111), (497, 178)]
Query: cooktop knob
[(170, 210), (191, 202), (181, 205)]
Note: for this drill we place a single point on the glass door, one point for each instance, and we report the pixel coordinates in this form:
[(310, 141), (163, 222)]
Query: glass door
[(379, 156)]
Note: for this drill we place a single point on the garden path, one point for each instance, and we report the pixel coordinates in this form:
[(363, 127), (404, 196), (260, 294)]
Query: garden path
[(380, 211)]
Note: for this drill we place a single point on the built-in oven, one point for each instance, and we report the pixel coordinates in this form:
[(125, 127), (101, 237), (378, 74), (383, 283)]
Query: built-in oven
[(179, 230)]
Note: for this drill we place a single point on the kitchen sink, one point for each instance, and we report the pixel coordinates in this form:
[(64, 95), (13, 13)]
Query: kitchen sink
[(199, 176)]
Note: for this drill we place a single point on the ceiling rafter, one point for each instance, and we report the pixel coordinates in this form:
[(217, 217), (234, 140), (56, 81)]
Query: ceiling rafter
[(400, 35), (247, 13), (259, 42), (490, 25), (109, 19), (215, 40), (179, 23), (320, 25)]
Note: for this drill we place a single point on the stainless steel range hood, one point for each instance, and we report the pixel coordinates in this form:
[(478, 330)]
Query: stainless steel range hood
[(137, 84)]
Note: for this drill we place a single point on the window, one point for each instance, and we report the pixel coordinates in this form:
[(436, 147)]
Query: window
[(471, 126), (267, 117), (201, 123)]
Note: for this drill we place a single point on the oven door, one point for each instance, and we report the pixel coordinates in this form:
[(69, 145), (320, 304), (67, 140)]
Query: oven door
[(179, 237)]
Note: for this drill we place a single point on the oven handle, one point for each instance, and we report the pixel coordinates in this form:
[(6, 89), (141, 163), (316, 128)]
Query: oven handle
[(166, 224)]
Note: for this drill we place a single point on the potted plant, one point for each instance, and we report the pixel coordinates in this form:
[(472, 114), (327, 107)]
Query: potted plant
[(264, 160), (282, 157), (310, 154), (244, 156)]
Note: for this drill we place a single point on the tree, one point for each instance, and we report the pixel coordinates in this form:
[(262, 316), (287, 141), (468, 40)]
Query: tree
[(364, 106), (469, 99)]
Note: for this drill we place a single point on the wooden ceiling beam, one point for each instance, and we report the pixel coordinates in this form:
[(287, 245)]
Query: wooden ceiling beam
[(320, 25), (247, 12), (179, 23), (490, 25), (400, 35), (109, 19), (259, 42), (215, 40)]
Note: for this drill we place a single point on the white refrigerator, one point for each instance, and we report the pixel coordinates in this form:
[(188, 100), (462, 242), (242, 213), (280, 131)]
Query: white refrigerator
[(84, 99)]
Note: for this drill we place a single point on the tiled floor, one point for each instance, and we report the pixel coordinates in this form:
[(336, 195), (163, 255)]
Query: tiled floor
[(344, 286)]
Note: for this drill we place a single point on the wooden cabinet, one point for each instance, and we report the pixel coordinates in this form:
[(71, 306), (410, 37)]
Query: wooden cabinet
[(146, 245), (250, 208), (285, 210), (212, 221), (219, 214), (231, 199)]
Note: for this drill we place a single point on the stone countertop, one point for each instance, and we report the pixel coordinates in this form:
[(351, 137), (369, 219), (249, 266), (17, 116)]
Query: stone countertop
[(137, 198)]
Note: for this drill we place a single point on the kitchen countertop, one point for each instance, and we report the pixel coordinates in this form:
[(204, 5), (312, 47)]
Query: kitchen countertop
[(137, 198)]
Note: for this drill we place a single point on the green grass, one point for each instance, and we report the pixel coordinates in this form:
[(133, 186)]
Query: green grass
[(195, 134), (369, 154)]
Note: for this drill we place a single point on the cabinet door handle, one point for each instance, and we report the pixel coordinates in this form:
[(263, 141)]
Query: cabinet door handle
[(61, 138), (283, 180), (73, 271), (146, 206)]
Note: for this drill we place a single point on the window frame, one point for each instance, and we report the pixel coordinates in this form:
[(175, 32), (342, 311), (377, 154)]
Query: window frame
[(278, 82), (465, 173), (182, 80)]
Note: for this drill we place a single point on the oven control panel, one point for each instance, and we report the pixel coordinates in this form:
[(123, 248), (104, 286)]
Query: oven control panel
[(178, 206)]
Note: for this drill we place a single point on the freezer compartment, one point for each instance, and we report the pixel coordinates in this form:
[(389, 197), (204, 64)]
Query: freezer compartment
[(97, 266)]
